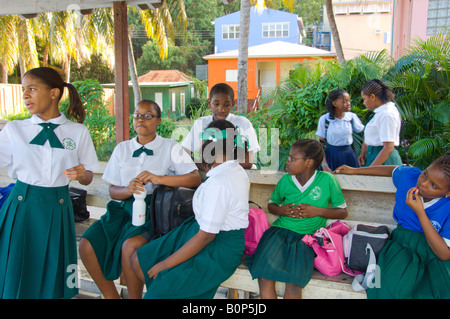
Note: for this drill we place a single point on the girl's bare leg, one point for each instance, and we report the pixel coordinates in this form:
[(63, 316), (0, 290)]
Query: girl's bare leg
[(87, 254), (134, 283)]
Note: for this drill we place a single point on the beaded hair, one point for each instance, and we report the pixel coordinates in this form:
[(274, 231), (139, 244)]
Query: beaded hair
[(381, 90), (221, 135)]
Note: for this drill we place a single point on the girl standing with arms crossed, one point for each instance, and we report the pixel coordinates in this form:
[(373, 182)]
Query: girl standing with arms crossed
[(193, 259), (382, 133), (44, 153), (301, 200), (415, 263), (335, 131), (137, 165)]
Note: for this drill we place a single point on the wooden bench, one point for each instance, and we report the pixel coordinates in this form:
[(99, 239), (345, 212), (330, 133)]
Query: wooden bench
[(370, 200)]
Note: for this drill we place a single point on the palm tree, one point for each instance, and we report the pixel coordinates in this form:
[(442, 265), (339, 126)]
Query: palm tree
[(243, 44), (159, 25), (334, 31), (17, 45)]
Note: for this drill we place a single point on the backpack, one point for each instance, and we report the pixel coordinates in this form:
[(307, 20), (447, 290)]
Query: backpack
[(4, 192), (257, 225), (327, 245), (362, 245), (78, 198), (170, 206)]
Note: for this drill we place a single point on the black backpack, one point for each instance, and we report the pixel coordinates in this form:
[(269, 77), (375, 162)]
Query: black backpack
[(170, 206), (78, 197)]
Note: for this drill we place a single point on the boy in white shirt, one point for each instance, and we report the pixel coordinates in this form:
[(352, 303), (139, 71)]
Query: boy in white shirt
[(221, 101)]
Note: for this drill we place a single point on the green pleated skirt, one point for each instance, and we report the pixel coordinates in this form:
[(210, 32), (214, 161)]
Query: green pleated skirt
[(38, 257), (198, 277), (107, 235), (408, 268), (372, 153), (282, 256)]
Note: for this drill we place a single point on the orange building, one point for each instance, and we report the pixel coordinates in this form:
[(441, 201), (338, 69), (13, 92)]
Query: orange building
[(267, 64)]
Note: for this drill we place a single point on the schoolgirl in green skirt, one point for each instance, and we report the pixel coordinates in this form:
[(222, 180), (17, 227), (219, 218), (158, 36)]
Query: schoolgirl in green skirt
[(415, 262), (193, 259), (382, 132), (301, 199), (38, 256), (137, 165)]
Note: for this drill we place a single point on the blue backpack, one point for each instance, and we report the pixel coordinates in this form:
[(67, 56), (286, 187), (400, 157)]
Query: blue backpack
[(4, 191)]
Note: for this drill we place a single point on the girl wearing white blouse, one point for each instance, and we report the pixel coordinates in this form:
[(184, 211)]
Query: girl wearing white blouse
[(137, 165), (44, 153), (382, 132), (193, 259), (335, 131)]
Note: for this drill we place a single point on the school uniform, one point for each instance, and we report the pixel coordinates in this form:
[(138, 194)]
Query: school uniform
[(408, 268), (107, 235), (193, 140), (37, 231), (281, 254), (339, 136), (384, 126), (221, 207)]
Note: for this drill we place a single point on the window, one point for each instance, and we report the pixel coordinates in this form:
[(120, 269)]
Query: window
[(438, 16), (275, 30), (230, 31), (183, 103), (369, 8), (340, 9), (231, 75), (159, 99), (174, 102), (354, 8), (383, 7)]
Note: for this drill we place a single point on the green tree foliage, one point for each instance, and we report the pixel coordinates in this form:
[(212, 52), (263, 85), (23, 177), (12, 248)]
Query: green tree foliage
[(420, 80)]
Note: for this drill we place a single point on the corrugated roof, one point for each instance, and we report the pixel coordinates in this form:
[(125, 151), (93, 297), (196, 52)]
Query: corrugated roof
[(276, 49), (163, 76)]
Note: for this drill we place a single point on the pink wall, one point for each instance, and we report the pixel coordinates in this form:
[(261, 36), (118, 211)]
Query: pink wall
[(410, 22)]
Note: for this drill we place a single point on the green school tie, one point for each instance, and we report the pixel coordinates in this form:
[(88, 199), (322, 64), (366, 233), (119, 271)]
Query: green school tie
[(47, 134), (140, 150)]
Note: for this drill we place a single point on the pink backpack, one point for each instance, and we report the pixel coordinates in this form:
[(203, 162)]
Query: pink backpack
[(328, 246), (257, 225)]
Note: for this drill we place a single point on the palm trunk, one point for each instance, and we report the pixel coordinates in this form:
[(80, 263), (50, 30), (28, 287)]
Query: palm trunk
[(334, 31), (243, 56), (4, 72), (133, 73)]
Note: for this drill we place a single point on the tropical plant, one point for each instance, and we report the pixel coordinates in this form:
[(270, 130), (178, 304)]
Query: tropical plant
[(421, 82)]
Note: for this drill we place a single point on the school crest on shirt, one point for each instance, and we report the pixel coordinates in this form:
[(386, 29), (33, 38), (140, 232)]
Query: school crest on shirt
[(315, 193), (436, 225), (69, 144)]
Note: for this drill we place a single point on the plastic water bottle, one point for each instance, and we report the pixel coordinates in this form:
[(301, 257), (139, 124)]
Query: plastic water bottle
[(139, 209)]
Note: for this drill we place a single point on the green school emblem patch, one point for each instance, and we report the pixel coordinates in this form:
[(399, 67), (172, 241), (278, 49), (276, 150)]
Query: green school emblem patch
[(315, 193), (69, 144)]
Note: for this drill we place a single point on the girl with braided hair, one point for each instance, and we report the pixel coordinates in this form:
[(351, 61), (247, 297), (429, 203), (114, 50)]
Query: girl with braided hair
[(302, 200), (192, 260), (415, 263), (382, 132)]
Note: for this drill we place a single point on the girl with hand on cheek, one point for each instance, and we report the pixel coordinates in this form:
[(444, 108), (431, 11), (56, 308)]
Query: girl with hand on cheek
[(415, 263)]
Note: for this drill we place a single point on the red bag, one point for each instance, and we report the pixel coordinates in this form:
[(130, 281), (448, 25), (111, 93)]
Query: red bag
[(257, 225), (327, 244)]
